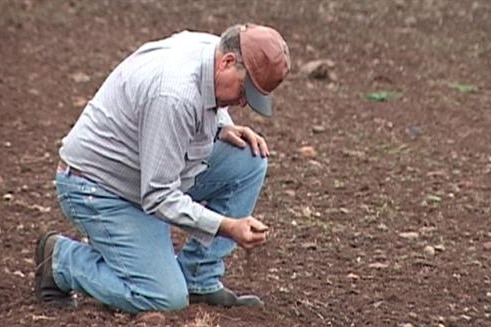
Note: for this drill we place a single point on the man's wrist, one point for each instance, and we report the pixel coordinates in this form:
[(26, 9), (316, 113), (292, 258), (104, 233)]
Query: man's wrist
[(225, 227)]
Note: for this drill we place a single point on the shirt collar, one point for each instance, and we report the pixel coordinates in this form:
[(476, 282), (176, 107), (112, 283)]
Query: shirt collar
[(208, 77)]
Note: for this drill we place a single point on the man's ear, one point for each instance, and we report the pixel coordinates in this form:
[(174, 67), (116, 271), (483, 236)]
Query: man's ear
[(228, 59)]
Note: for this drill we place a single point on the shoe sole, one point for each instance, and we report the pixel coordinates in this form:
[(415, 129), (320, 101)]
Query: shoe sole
[(226, 298)]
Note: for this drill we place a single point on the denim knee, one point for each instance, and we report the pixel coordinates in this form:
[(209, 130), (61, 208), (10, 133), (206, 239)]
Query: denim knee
[(256, 165), (260, 164), (175, 300)]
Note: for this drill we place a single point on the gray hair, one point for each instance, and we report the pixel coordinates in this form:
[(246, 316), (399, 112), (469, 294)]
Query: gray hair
[(230, 41)]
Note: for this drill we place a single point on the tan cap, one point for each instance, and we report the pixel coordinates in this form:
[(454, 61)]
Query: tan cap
[(267, 61)]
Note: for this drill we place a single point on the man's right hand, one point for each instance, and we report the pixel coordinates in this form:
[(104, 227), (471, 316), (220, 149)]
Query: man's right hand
[(247, 232)]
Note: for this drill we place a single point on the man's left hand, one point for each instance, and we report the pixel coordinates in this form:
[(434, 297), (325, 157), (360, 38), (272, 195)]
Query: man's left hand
[(241, 135)]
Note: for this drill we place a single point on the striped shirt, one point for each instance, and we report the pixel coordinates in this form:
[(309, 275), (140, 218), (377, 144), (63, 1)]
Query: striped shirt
[(146, 133)]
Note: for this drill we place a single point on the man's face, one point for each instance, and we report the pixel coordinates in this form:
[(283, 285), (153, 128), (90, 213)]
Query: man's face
[(230, 81)]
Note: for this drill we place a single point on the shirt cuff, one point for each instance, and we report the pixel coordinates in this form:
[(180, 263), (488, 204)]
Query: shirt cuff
[(208, 225), (224, 118)]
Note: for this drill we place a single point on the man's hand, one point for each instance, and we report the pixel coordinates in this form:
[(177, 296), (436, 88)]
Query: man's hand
[(239, 135), (247, 232)]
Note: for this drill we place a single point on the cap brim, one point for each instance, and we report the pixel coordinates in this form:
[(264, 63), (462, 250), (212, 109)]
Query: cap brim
[(260, 103)]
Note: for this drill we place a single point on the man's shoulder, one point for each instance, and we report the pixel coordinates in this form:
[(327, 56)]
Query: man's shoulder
[(199, 37)]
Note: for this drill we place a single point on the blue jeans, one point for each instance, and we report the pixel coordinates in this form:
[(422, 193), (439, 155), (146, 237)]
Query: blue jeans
[(130, 262)]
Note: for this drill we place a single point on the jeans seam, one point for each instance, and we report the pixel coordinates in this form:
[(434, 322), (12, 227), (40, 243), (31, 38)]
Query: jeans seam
[(114, 251)]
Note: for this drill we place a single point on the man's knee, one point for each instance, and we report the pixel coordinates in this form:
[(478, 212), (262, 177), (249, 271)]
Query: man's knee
[(175, 301), (170, 301), (251, 163)]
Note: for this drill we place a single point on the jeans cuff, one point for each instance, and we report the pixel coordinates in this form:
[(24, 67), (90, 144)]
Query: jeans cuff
[(57, 275), (196, 289)]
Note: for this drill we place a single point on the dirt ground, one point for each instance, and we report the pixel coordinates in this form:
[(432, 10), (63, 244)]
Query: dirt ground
[(379, 210)]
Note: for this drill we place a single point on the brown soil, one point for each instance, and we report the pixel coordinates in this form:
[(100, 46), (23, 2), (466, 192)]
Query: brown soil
[(386, 223)]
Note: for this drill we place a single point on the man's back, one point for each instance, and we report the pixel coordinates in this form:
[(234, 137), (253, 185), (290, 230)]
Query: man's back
[(107, 139)]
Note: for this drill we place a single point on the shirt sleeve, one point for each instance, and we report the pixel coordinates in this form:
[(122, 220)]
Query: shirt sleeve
[(166, 126), (224, 118)]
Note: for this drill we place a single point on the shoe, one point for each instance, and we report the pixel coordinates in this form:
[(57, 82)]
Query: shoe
[(45, 287), (226, 298)]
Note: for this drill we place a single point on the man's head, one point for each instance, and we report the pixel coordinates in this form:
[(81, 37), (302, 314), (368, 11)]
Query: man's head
[(251, 61)]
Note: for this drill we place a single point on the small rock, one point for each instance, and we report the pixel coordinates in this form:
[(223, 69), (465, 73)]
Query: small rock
[(309, 246), (8, 197), (433, 198), (382, 227), (378, 265), (308, 151), (318, 69), (80, 77), (410, 21), (344, 210), (429, 250), (79, 101), (439, 247), (306, 212), (19, 273), (487, 245), (289, 193), (34, 91), (317, 129), (353, 276), (409, 235), (315, 164), (427, 229)]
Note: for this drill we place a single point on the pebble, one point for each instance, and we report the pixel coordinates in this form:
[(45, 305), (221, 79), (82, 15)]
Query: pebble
[(409, 235), (429, 250), (318, 129)]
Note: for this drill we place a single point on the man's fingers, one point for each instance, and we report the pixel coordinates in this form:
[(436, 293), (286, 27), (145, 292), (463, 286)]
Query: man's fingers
[(260, 229), (263, 146), (240, 136), (257, 142), (257, 238), (251, 245), (257, 226), (236, 140), (250, 136)]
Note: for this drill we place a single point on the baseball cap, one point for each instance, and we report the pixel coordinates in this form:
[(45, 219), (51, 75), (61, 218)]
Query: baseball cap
[(267, 61)]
